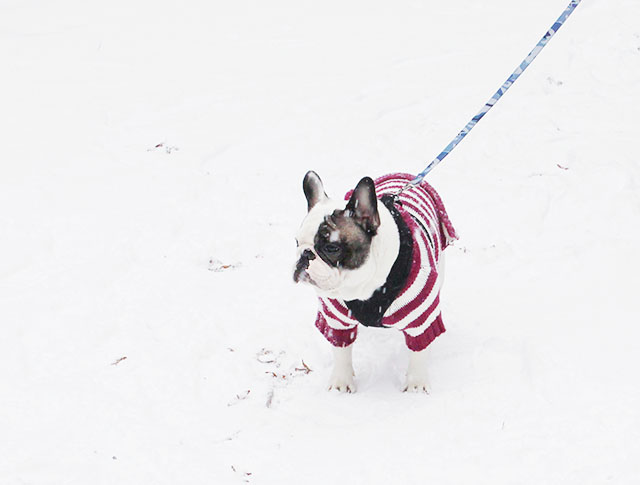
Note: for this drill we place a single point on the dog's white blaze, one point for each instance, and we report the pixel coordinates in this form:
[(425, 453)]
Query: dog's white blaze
[(314, 218)]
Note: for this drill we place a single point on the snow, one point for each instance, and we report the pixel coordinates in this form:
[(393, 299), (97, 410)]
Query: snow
[(150, 190)]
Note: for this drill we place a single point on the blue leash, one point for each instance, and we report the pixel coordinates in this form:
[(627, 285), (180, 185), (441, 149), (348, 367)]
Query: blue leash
[(503, 89)]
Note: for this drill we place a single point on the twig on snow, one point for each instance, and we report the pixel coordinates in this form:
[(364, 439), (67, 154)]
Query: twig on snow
[(305, 368), (240, 397), (218, 266), (119, 360)]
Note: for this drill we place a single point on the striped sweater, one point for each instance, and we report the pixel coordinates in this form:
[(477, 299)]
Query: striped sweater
[(410, 298)]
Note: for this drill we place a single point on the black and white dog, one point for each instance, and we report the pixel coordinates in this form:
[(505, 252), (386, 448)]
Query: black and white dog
[(375, 262)]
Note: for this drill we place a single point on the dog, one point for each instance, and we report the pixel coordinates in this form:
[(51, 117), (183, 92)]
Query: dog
[(375, 261)]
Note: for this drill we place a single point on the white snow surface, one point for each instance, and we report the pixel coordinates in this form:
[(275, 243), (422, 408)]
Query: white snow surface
[(179, 257)]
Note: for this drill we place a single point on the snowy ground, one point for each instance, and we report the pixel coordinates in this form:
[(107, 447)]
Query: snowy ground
[(179, 257)]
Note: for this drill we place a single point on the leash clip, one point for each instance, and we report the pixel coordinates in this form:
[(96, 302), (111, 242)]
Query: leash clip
[(396, 196)]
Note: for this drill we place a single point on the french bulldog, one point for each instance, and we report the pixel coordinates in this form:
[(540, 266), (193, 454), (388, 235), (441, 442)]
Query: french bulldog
[(376, 260)]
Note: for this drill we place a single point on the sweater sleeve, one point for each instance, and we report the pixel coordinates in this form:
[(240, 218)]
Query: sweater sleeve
[(335, 323)]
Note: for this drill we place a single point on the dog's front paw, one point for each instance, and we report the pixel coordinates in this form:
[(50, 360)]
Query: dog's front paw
[(416, 383), (342, 381)]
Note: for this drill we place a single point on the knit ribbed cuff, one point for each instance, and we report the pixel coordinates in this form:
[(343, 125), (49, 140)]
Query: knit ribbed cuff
[(421, 341), (337, 338)]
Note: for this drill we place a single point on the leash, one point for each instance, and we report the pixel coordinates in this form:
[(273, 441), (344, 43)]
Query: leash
[(494, 99)]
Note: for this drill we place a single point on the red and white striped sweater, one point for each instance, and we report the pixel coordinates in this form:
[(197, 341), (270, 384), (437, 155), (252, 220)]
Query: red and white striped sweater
[(416, 309)]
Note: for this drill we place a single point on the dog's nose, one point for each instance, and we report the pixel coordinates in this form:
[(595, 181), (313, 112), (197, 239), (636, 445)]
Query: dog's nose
[(308, 255), (303, 264)]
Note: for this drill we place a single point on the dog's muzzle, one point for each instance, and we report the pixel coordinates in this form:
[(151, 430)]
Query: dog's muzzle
[(302, 265)]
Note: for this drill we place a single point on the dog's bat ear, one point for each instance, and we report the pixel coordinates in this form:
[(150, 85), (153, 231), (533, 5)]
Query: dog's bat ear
[(363, 205), (313, 189)]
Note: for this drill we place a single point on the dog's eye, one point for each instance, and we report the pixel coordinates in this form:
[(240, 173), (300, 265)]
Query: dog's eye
[(332, 248)]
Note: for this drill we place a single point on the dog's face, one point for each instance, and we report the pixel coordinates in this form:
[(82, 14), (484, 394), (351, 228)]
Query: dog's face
[(334, 240)]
